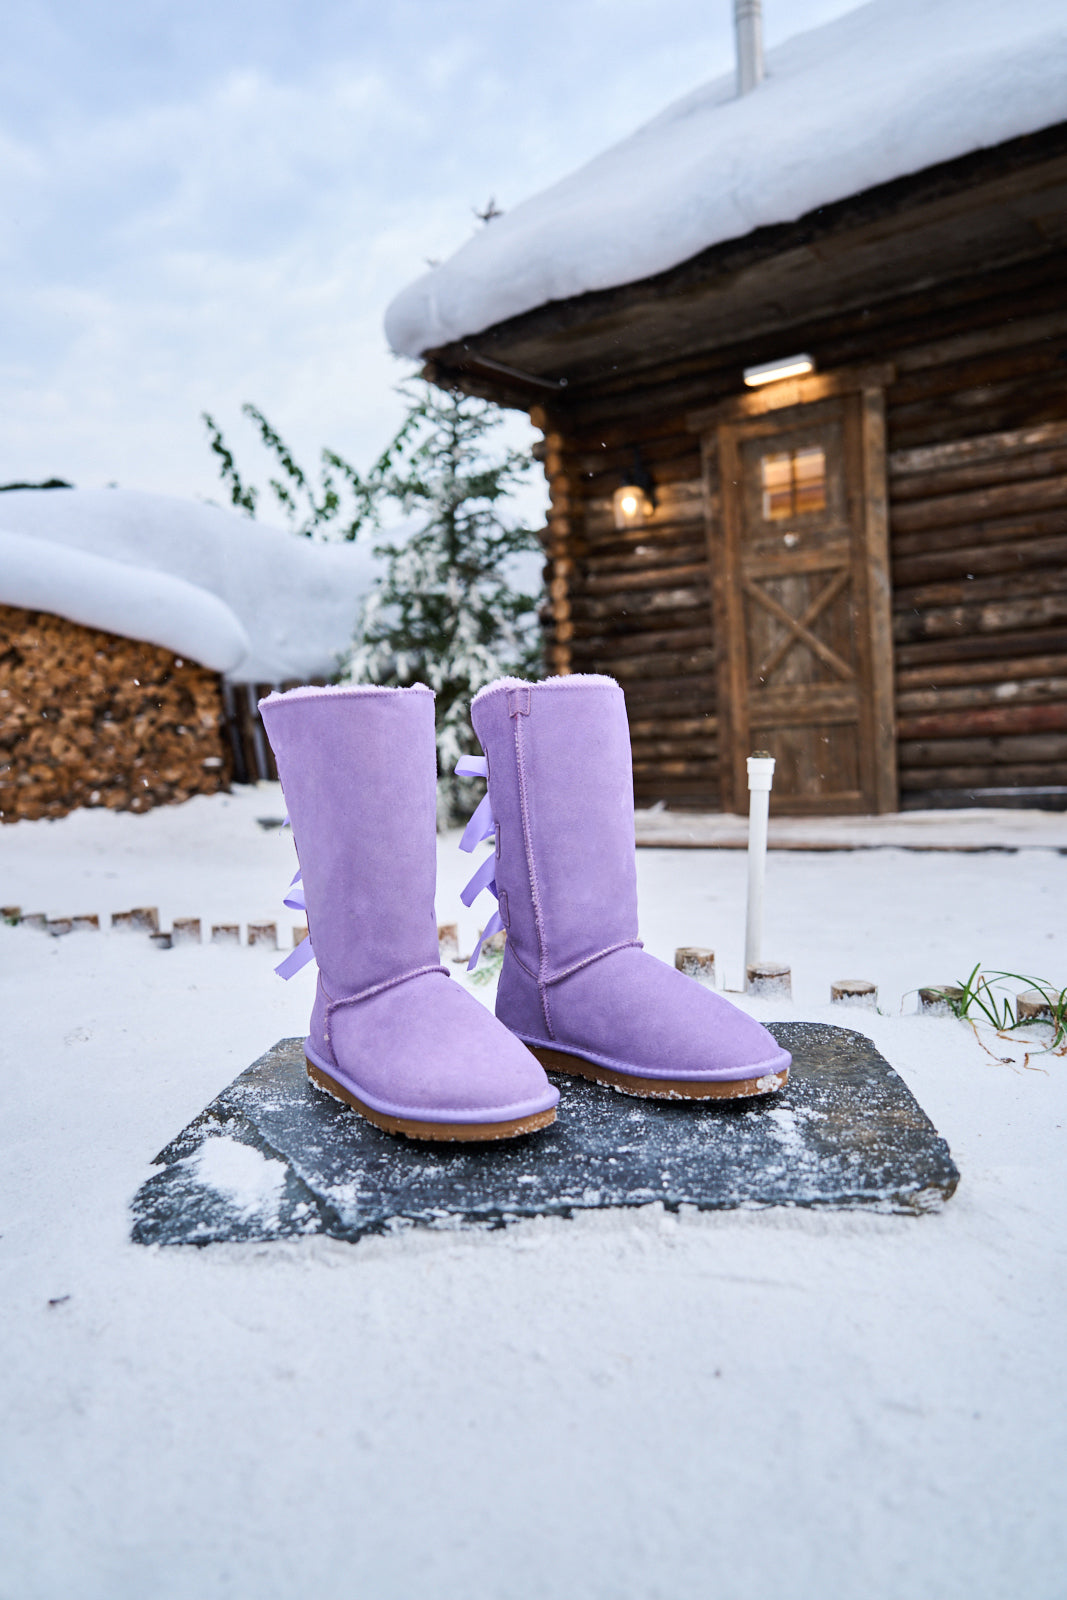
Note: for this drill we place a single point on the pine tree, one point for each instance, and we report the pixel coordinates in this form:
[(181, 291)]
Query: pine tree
[(340, 506), (446, 612)]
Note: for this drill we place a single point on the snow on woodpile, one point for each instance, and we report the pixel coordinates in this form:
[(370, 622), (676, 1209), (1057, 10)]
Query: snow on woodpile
[(884, 91), (118, 598), (241, 597)]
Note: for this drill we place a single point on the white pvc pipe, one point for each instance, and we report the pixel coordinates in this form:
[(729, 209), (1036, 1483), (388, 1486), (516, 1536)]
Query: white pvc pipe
[(760, 777), (748, 23)]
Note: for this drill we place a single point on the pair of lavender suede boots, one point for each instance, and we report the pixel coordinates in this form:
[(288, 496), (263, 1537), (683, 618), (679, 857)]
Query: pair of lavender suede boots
[(390, 1034)]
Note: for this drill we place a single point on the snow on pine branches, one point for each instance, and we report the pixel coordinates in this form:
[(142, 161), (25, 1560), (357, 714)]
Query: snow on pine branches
[(447, 611)]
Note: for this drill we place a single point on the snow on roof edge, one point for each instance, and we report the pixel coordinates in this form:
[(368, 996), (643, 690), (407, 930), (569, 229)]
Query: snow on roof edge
[(890, 89)]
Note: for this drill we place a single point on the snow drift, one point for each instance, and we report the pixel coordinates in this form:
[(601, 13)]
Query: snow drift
[(243, 598), (101, 593), (886, 90)]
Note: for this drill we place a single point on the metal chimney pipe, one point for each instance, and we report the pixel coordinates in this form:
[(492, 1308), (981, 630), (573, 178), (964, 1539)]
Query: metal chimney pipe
[(748, 22)]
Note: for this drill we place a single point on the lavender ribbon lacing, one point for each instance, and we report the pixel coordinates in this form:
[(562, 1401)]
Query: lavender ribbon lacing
[(296, 901), (481, 826)]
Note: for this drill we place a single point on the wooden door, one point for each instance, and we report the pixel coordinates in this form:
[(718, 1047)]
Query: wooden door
[(800, 568)]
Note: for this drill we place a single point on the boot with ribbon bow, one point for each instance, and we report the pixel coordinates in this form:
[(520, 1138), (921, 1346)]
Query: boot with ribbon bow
[(576, 985), (391, 1035)]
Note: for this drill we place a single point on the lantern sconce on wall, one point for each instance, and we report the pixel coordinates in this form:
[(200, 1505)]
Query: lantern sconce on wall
[(635, 501)]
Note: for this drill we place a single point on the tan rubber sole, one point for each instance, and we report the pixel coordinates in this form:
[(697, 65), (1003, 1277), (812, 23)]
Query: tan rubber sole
[(659, 1088), (471, 1132)]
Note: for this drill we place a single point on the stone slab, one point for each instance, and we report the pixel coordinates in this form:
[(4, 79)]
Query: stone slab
[(845, 1133)]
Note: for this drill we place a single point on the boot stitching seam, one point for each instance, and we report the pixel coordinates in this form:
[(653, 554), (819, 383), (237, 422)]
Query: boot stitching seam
[(587, 961), (520, 762), (635, 1069), (515, 956), (376, 988)]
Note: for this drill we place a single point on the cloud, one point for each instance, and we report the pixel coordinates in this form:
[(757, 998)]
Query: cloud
[(211, 203)]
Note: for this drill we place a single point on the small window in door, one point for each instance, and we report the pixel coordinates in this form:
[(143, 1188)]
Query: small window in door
[(793, 483)]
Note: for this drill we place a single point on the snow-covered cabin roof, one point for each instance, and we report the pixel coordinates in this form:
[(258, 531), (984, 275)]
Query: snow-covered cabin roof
[(882, 92), (241, 597)]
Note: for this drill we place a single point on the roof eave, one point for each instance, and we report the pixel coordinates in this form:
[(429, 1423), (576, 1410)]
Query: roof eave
[(532, 359)]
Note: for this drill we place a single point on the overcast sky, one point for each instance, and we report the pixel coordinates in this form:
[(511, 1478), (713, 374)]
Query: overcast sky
[(213, 201)]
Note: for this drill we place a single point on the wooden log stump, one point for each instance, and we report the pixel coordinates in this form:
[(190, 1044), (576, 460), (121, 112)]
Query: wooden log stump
[(11, 914), (448, 940), (225, 933), (186, 930), (1033, 1006), (263, 933), (86, 924), (770, 979), (937, 1000), (162, 941), (35, 919), (854, 992), (142, 919), (300, 933), (696, 961)]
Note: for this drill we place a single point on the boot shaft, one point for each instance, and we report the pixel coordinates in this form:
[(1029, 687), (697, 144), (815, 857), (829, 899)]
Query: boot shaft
[(358, 767), (561, 792)]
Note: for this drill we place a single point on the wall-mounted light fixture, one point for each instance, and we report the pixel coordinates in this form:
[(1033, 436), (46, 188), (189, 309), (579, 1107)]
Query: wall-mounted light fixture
[(635, 501), (773, 371)]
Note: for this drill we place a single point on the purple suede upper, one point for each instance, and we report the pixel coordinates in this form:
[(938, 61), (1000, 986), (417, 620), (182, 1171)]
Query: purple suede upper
[(428, 1049), (353, 767), (562, 799), (574, 977), (358, 768)]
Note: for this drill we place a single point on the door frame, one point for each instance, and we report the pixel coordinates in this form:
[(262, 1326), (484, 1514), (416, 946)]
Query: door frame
[(868, 514)]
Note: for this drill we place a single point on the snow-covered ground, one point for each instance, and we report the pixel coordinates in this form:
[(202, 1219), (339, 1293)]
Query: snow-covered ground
[(970, 828), (737, 1405)]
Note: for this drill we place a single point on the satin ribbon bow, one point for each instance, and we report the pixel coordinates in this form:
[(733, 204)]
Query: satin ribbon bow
[(480, 826)]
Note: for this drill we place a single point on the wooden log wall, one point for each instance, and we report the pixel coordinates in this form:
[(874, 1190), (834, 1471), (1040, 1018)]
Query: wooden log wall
[(251, 757), (979, 531), (637, 604), (89, 719), (977, 434)]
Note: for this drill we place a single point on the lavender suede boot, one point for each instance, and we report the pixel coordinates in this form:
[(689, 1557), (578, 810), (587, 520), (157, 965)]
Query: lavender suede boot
[(391, 1035), (576, 986)]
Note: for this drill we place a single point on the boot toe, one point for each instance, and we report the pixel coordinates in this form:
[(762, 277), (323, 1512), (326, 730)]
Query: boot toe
[(427, 1051), (636, 1013)]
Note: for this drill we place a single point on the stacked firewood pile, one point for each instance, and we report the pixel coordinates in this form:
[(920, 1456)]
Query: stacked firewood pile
[(91, 719)]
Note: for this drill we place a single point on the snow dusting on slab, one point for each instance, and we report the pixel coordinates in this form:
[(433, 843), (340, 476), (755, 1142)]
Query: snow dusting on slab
[(850, 1135), (884, 91), (242, 597), (247, 1179)]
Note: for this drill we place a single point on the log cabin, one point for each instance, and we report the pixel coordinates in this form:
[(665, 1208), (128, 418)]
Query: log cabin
[(799, 360)]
